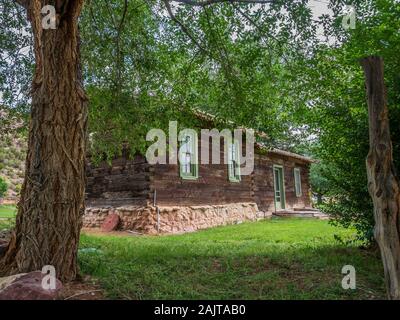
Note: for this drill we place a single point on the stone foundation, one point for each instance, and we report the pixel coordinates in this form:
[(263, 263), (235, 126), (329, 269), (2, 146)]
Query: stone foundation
[(176, 219)]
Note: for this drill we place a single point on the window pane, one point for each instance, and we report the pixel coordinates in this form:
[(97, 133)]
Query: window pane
[(297, 181), (277, 182), (233, 162), (188, 156), (187, 144), (187, 162)]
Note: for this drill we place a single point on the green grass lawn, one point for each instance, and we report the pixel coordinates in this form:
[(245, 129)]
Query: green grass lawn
[(275, 259), (7, 213)]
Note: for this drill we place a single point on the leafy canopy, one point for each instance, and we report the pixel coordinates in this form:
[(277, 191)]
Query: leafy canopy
[(263, 66)]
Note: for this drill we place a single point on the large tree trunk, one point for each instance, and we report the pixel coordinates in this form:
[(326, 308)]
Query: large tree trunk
[(52, 200), (383, 183)]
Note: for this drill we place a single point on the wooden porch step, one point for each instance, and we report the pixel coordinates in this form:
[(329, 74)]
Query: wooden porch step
[(301, 214), (306, 209)]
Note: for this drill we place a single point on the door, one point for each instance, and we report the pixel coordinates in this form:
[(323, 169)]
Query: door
[(279, 188)]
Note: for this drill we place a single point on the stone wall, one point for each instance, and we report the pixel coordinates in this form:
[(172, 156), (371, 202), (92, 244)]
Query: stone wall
[(175, 219)]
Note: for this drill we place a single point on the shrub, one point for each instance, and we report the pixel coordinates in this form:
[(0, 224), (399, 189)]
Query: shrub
[(3, 187), (18, 188)]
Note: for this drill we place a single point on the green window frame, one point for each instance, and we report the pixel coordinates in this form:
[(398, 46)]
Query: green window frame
[(234, 162), (188, 156), (281, 187), (297, 182)]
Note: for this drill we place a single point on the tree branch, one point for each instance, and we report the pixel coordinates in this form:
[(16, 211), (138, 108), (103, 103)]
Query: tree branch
[(183, 27), (204, 3), (121, 23), (23, 3), (225, 61), (118, 45)]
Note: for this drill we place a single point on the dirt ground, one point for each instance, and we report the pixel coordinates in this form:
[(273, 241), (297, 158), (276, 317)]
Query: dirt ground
[(98, 231), (82, 289)]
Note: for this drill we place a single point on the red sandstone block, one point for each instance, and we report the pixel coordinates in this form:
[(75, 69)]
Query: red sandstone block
[(111, 222)]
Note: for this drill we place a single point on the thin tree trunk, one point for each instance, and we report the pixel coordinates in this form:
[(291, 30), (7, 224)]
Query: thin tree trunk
[(383, 183), (319, 198), (50, 211)]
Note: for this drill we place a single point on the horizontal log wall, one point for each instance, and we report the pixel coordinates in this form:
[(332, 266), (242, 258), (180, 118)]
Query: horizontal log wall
[(134, 182), (124, 182), (264, 182), (212, 186)]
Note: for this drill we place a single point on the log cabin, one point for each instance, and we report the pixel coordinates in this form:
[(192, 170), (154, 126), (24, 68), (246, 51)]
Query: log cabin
[(184, 197)]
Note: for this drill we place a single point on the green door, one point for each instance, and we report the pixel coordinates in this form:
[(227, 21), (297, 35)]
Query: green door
[(279, 188)]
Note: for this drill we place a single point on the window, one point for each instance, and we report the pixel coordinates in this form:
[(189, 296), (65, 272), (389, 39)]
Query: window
[(234, 162), (297, 182), (188, 156)]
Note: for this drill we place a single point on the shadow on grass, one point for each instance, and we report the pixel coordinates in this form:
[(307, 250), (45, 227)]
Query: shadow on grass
[(212, 265)]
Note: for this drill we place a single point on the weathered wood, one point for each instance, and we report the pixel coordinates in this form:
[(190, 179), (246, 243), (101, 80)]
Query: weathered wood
[(383, 183), (214, 187), (264, 182), (50, 210), (211, 188), (123, 181)]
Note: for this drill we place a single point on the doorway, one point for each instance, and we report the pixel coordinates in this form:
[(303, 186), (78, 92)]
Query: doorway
[(279, 188)]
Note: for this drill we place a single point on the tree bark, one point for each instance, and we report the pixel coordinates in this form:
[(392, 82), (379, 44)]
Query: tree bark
[(383, 183), (50, 210)]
